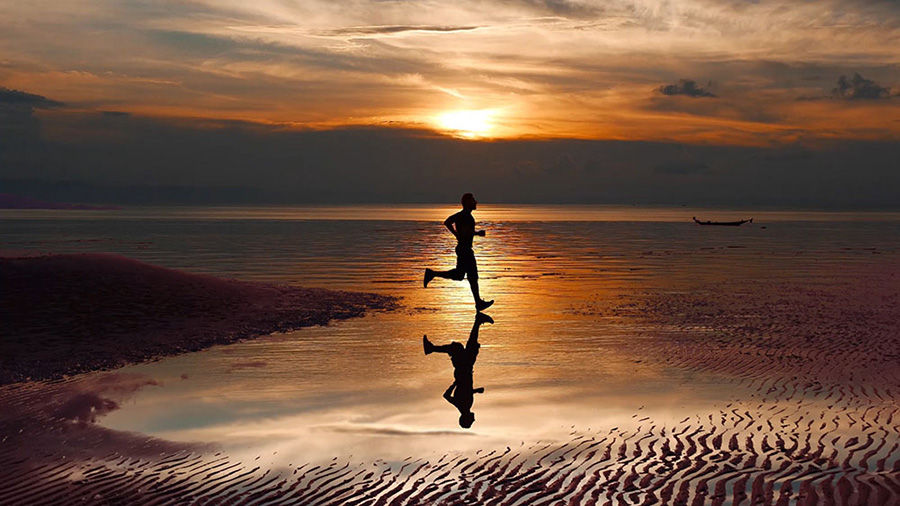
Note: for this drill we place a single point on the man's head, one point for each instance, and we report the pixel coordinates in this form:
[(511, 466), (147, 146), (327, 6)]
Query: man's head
[(468, 202), (466, 420)]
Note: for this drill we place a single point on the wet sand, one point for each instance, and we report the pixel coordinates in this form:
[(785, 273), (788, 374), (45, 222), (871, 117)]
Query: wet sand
[(813, 420), (74, 313)]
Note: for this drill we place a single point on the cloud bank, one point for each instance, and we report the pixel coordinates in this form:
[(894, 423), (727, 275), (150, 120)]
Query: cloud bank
[(131, 160), (17, 98)]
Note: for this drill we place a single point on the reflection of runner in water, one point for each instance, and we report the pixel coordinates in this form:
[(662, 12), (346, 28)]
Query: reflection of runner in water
[(462, 225), (461, 393)]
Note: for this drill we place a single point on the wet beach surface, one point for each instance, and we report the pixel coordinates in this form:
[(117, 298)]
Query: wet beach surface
[(629, 362)]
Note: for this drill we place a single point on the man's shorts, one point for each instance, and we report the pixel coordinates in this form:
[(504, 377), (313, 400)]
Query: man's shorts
[(465, 262), (463, 359)]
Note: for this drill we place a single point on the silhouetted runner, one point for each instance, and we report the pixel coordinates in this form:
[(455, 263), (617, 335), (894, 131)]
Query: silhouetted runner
[(462, 226), (461, 393)]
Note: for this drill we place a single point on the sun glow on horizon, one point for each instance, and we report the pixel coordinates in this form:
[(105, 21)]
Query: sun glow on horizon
[(467, 123)]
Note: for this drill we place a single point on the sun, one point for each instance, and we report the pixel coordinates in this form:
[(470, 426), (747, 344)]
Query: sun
[(469, 124)]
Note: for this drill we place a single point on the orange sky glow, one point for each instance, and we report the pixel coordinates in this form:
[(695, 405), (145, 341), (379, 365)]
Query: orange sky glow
[(697, 71)]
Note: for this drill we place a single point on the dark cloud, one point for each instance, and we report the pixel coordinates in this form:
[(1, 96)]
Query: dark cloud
[(91, 158), (115, 114), (389, 29), (681, 168), (859, 88), (789, 155), (20, 129), (18, 98), (685, 87)]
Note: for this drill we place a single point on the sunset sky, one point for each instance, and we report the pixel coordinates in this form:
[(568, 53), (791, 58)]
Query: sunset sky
[(767, 74)]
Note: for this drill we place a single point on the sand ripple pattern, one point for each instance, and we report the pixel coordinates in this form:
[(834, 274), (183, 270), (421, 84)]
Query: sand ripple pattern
[(832, 448)]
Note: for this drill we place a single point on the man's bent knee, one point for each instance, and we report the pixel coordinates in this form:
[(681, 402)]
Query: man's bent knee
[(457, 275)]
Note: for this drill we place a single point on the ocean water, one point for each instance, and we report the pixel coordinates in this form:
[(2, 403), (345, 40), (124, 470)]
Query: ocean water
[(364, 387)]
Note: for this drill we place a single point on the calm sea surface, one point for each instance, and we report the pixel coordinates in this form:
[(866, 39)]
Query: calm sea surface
[(364, 386)]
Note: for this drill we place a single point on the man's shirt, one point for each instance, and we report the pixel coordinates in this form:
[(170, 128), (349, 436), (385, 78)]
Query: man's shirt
[(464, 223)]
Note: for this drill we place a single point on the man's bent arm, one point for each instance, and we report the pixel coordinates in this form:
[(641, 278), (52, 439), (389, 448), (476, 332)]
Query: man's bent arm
[(447, 393), (449, 224)]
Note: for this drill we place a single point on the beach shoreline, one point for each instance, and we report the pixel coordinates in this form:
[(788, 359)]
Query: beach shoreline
[(74, 313)]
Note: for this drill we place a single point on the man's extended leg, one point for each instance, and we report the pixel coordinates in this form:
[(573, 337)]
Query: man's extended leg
[(430, 348), (454, 273)]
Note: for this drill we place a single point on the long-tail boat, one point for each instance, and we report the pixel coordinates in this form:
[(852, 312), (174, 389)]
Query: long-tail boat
[(723, 223)]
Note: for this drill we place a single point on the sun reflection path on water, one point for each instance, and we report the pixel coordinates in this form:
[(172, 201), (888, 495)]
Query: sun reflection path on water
[(366, 384)]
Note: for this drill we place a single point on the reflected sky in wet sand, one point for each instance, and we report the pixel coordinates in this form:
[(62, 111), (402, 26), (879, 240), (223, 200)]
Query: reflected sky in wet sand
[(553, 360)]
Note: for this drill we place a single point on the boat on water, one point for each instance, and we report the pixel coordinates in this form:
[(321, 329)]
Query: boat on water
[(723, 223)]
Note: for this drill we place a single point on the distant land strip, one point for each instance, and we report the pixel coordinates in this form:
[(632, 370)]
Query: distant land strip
[(10, 201)]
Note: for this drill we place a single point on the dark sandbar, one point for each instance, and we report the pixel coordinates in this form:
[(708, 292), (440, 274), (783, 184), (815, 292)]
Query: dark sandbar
[(67, 314)]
